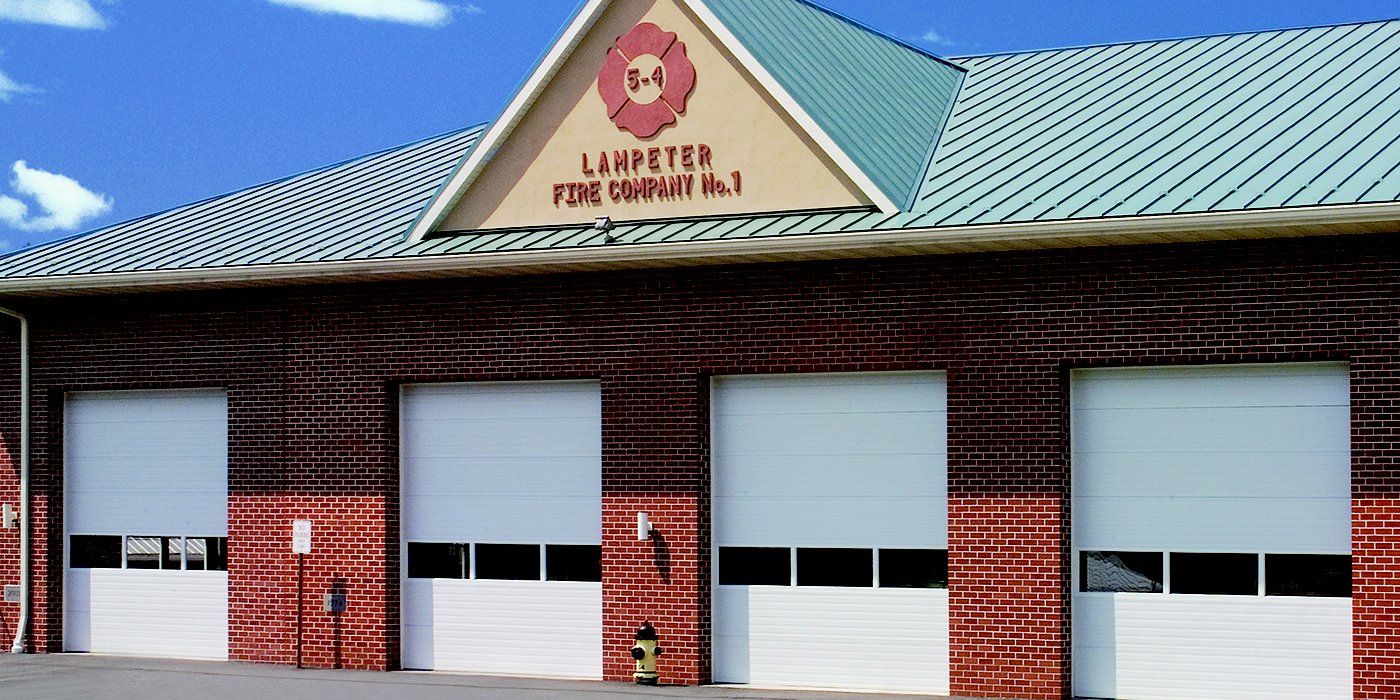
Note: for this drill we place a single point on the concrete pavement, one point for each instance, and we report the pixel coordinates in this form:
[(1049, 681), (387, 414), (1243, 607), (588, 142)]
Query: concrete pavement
[(90, 677)]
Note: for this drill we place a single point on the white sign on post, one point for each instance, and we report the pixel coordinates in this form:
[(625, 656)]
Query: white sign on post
[(301, 537)]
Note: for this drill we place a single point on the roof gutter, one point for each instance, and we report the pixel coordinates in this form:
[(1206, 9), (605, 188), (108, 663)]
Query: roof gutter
[(24, 574), (1137, 230)]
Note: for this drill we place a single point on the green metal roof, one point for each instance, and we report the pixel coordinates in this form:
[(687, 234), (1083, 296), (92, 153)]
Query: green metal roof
[(356, 209), (883, 102), (1294, 119), (1247, 121)]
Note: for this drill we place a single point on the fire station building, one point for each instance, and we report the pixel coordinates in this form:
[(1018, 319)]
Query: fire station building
[(1065, 373)]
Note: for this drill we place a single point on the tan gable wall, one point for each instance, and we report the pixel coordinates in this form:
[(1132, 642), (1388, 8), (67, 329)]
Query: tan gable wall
[(745, 130)]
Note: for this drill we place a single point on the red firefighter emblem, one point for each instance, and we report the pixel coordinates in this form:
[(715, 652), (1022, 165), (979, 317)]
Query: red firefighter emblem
[(646, 80)]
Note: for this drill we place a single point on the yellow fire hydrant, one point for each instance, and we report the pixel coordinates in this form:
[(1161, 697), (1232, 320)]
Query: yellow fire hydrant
[(645, 652)]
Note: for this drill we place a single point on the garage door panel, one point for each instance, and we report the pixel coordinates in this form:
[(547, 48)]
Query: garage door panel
[(831, 395), (1235, 474), (1277, 525), (1251, 460), (504, 475), (901, 475), (831, 461), (504, 627), (811, 521), (1204, 646), (1233, 385), (821, 637), (1213, 430), (503, 463), (146, 463), (513, 399), (175, 614), (496, 438), (498, 520), (834, 434)]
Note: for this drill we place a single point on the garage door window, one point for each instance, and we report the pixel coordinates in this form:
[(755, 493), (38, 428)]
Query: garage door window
[(508, 562), (438, 560), (148, 552), (505, 562), (1121, 572), (573, 562), (841, 568), (755, 566), (1313, 575), (1215, 574), (1194, 573), (913, 568), (833, 567), (95, 552)]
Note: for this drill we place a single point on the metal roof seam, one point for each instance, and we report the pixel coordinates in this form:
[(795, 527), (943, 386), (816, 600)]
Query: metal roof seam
[(232, 230), (404, 194), (1375, 158), (1197, 112), (960, 159), (1088, 163), (1259, 149), (1394, 114), (972, 113), (1216, 130), (931, 152), (1085, 91), (877, 32), (1180, 38), (1024, 139), (1304, 121), (309, 235), (239, 207), (328, 199), (1137, 136), (385, 179), (237, 192), (988, 82)]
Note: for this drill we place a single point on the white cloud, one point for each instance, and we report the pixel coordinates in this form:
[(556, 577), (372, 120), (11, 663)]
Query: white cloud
[(9, 88), (933, 37), (65, 203), (427, 13), (75, 14)]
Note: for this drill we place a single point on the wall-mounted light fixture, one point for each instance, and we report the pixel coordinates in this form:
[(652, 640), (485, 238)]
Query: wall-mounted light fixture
[(605, 225), (10, 517), (644, 528)]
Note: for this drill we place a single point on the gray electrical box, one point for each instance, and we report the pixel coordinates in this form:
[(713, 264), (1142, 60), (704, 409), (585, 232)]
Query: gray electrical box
[(12, 594), (335, 602)]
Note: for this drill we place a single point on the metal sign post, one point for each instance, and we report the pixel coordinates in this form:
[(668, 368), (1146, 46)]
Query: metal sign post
[(301, 545)]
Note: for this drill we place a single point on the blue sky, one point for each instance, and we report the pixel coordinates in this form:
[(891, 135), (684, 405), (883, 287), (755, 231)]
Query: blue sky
[(112, 109)]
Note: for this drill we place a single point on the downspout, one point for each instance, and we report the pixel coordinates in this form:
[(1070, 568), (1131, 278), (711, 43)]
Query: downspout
[(22, 627)]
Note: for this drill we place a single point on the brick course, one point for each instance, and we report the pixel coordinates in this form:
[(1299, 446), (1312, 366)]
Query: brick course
[(313, 375)]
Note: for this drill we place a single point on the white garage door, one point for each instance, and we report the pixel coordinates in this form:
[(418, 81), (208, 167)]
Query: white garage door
[(830, 512), (502, 527), (1212, 532), (146, 513)]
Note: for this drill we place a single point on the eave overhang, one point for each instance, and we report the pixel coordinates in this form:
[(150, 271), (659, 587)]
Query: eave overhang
[(1144, 230)]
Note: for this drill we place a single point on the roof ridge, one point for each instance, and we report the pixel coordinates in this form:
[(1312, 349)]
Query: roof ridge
[(878, 32), (234, 192), (1167, 40)]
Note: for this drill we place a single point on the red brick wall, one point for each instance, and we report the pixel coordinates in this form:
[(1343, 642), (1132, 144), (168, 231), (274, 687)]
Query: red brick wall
[(313, 375)]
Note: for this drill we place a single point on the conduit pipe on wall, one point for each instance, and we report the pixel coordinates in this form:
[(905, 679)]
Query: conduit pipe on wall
[(23, 626)]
